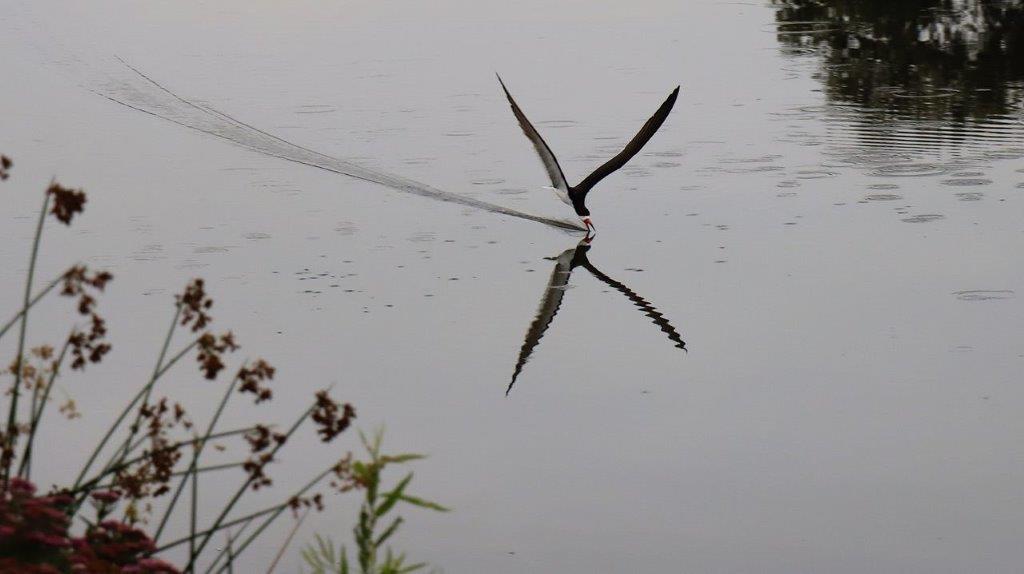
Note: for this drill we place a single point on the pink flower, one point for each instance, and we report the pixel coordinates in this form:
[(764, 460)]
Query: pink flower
[(106, 496), (21, 486)]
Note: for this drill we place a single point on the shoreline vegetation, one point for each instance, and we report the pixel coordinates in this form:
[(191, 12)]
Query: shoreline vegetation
[(147, 470)]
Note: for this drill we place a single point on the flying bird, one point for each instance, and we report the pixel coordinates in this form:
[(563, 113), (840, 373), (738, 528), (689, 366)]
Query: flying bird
[(576, 195)]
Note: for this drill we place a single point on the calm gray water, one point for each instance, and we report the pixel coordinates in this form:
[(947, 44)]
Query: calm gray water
[(831, 219)]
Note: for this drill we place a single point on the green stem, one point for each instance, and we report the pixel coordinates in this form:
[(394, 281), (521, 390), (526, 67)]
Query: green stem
[(25, 470), (148, 389), (211, 468), (195, 462), (12, 414), (238, 494), (276, 513), (228, 524), (91, 483), (7, 326), (124, 413)]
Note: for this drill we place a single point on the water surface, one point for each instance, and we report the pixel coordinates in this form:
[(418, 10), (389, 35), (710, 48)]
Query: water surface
[(830, 219)]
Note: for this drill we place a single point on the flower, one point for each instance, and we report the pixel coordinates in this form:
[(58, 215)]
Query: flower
[(194, 306), (211, 348), (331, 418), (66, 202), (253, 376)]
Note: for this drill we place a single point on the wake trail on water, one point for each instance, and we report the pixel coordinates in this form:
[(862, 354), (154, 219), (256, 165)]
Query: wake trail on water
[(146, 95)]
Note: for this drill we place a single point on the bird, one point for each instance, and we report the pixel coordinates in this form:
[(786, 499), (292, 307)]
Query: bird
[(576, 195), (565, 263)]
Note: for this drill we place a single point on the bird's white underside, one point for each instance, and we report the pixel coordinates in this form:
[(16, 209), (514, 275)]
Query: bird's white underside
[(561, 193)]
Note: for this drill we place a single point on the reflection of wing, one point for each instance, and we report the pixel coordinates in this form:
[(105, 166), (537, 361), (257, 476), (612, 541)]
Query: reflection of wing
[(547, 157), (548, 309), (641, 303)]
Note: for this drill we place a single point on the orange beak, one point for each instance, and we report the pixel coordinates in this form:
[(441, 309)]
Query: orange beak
[(589, 224)]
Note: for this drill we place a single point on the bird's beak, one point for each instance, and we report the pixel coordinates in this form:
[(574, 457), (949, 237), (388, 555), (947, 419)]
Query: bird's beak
[(589, 224)]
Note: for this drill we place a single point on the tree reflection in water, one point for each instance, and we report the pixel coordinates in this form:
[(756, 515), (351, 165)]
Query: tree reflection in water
[(959, 62)]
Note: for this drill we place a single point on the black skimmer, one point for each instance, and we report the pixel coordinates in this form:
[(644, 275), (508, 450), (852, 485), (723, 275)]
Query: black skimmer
[(576, 195), (565, 263)]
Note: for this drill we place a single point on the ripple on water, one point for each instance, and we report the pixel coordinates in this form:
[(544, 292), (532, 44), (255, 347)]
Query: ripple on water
[(211, 249), (882, 197), (1014, 153), (984, 295), (883, 186), (815, 174), (557, 123), (800, 28), (966, 182), (346, 228), (422, 237), (903, 93), (923, 218), (908, 170), (315, 109), (970, 196)]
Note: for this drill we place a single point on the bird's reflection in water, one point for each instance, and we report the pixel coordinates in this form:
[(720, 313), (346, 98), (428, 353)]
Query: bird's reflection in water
[(565, 264)]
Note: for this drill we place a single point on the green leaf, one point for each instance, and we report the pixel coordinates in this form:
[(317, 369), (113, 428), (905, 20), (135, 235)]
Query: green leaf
[(390, 530), (416, 501), (392, 497), (401, 458)]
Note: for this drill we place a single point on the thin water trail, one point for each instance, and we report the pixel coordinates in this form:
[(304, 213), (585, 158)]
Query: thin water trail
[(151, 97)]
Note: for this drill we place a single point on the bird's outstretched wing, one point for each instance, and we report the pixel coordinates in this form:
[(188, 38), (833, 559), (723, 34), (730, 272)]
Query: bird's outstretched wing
[(634, 146), (547, 157)]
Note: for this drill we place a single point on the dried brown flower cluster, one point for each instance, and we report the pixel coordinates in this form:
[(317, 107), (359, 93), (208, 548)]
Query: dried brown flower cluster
[(86, 347), (211, 348), (5, 167), (78, 280), (260, 440), (344, 480), (195, 306), (331, 418), (253, 377), (150, 476), (66, 202), (35, 371), (89, 347), (315, 501)]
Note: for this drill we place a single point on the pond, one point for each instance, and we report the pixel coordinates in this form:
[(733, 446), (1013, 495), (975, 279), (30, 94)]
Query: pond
[(793, 344)]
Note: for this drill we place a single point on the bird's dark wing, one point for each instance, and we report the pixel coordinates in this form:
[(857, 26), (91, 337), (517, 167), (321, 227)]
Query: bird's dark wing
[(634, 146), (549, 306), (547, 157), (660, 320)]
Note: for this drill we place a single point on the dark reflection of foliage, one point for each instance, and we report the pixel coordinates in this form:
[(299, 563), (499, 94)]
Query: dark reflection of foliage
[(965, 57)]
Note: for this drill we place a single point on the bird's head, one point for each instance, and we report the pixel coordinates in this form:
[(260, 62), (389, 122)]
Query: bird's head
[(589, 224)]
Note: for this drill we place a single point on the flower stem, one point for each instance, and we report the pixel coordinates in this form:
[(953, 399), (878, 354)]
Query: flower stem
[(144, 392), (25, 470), (12, 415), (195, 462), (238, 494)]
